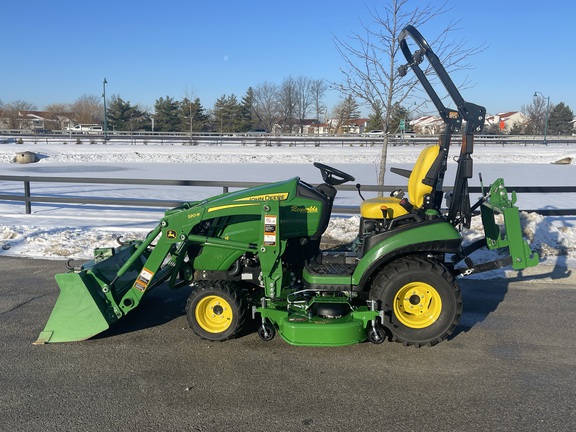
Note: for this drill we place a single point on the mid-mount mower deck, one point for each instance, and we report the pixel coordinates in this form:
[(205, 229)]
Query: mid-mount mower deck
[(255, 253)]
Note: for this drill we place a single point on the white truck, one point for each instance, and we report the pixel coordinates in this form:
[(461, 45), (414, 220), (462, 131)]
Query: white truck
[(85, 129)]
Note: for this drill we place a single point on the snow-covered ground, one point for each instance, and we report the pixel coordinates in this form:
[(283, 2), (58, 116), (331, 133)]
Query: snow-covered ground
[(63, 231)]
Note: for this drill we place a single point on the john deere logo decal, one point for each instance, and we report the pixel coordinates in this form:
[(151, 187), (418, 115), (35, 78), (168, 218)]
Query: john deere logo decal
[(280, 196), (171, 234)]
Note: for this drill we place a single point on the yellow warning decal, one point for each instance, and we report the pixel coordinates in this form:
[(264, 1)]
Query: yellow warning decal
[(280, 196), (143, 279)]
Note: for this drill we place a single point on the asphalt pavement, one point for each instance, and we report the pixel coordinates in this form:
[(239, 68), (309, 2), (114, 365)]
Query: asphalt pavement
[(510, 366)]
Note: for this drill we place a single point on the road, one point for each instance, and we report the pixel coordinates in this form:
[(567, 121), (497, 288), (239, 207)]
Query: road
[(511, 365)]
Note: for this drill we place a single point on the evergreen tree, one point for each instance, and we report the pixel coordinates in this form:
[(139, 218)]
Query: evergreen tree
[(560, 120), (517, 129), (166, 117), (226, 114), (344, 113), (123, 116), (376, 118), (352, 108), (193, 117), (398, 113), (247, 116)]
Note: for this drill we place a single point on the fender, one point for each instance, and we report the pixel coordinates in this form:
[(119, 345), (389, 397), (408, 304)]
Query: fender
[(440, 237)]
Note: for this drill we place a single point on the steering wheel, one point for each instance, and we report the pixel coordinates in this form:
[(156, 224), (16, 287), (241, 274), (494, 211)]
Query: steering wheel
[(328, 174)]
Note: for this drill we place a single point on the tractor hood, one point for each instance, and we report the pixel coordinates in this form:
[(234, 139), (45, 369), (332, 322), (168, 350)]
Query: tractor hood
[(282, 191)]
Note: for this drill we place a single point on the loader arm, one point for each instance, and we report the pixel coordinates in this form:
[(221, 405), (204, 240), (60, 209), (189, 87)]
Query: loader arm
[(102, 291)]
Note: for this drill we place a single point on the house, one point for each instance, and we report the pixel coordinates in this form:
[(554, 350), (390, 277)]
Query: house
[(505, 121), (318, 129), (352, 126), (33, 120), (427, 125)]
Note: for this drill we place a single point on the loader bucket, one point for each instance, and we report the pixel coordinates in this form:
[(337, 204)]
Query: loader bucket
[(79, 312), (87, 304)]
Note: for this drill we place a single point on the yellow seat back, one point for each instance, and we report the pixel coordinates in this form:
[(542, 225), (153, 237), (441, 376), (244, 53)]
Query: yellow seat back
[(416, 189), (371, 208)]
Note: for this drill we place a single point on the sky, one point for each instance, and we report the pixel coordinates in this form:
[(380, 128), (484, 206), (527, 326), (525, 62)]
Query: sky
[(55, 52)]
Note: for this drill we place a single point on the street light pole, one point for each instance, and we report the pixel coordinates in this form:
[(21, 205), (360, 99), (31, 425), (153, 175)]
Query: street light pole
[(547, 114), (105, 116)]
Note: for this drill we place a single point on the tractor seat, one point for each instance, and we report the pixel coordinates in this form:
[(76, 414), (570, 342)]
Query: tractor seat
[(373, 208)]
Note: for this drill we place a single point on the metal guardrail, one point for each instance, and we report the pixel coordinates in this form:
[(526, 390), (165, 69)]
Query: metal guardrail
[(269, 139), (28, 198)]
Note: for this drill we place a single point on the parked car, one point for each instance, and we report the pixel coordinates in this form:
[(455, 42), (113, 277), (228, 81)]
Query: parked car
[(375, 133), (95, 130), (85, 128)]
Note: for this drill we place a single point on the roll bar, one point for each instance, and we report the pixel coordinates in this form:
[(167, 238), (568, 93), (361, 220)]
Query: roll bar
[(474, 115)]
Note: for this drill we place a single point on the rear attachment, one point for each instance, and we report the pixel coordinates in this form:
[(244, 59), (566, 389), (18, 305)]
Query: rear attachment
[(509, 235)]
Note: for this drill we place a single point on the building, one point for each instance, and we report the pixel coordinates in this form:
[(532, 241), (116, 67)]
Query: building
[(505, 121), (33, 120)]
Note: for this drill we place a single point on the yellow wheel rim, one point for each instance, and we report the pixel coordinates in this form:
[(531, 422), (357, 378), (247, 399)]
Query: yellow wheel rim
[(213, 314), (417, 305)]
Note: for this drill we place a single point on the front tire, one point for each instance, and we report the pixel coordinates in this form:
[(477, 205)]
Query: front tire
[(421, 300), (216, 310)]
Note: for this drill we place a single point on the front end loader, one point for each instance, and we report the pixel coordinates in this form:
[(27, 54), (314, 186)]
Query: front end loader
[(255, 254)]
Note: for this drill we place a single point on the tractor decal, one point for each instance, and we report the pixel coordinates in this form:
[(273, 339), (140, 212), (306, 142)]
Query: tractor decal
[(281, 196), (224, 207)]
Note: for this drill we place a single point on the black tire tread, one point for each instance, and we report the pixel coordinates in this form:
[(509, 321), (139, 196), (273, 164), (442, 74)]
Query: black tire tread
[(226, 289), (414, 264)]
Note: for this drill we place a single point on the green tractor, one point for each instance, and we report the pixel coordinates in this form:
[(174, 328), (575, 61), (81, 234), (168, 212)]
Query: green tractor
[(255, 254)]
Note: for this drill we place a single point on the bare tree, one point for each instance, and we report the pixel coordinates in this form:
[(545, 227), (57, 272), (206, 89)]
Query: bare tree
[(58, 115), (304, 99), (288, 101), (87, 109), (371, 59), (14, 114), (536, 115), (318, 89), (265, 104)]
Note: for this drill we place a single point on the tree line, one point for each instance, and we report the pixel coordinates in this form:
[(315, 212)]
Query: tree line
[(289, 104), (262, 108)]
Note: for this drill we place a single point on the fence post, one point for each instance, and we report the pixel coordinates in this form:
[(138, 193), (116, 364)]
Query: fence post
[(28, 203)]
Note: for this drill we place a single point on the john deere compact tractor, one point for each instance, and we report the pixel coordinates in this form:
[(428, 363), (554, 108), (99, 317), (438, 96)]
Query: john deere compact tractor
[(255, 254)]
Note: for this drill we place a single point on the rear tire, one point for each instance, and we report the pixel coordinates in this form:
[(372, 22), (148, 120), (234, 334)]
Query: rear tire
[(422, 301), (216, 310)]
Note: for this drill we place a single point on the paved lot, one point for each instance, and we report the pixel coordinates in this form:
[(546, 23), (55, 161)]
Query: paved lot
[(510, 366)]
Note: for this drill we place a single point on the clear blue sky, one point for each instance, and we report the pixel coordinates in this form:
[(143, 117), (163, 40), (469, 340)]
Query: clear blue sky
[(57, 51)]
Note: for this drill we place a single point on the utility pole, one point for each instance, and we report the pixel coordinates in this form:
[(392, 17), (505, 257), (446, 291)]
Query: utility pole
[(105, 116)]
